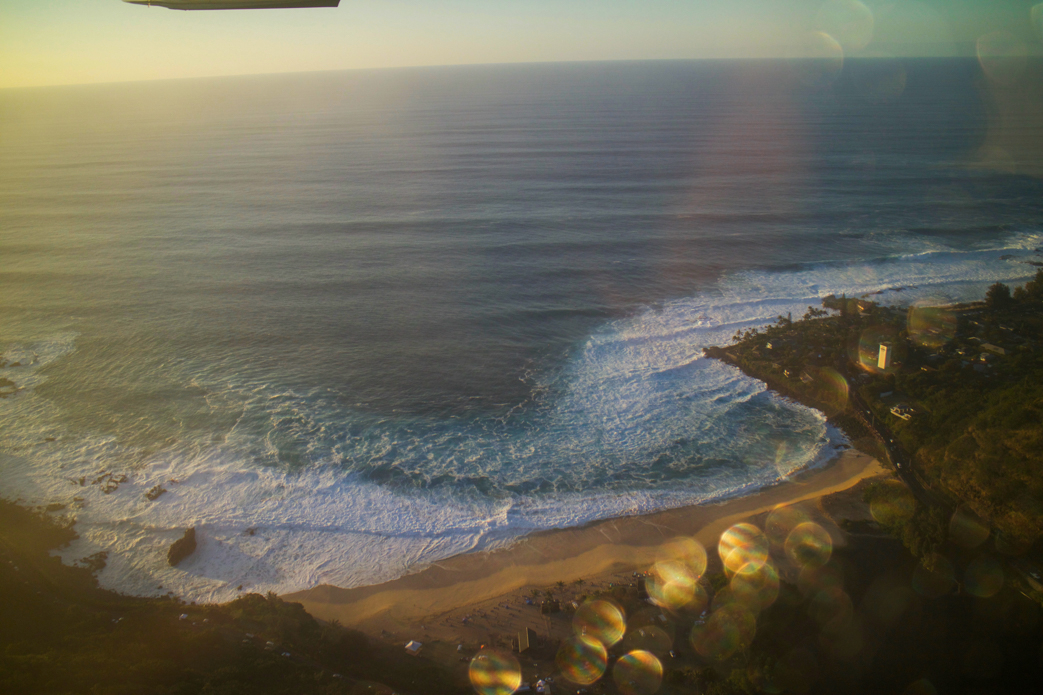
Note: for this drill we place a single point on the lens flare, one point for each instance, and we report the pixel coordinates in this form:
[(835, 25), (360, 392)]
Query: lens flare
[(881, 80), (672, 585), (920, 687), (811, 580), (728, 629), (931, 326), (781, 521), (686, 550), (582, 659), (833, 386), (831, 604), (983, 577), (1002, 57), (649, 638), (602, 620), (934, 577), (966, 530), (820, 62), (848, 21), (893, 505), (638, 673), (757, 588), (743, 546), (866, 353), (494, 673), (809, 545)]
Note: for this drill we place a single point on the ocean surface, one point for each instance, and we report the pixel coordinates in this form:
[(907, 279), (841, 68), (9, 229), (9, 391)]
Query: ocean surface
[(354, 323)]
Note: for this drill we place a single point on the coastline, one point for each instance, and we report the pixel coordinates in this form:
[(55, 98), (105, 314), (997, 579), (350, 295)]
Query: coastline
[(605, 547)]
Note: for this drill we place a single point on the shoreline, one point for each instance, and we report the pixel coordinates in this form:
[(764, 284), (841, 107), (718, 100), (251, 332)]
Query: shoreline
[(621, 544)]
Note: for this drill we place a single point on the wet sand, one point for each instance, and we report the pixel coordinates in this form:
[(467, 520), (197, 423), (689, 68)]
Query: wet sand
[(492, 585)]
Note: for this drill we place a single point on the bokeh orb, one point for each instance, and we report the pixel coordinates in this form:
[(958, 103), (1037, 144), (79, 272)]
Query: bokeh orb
[(649, 638), (809, 545), (638, 673), (582, 659), (672, 585), (757, 588), (983, 577), (966, 530), (686, 550), (866, 352), (848, 21), (831, 604), (727, 630), (811, 580), (933, 577), (781, 521), (1002, 57), (821, 58), (602, 620), (931, 326), (893, 505), (743, 546), (494, 673)]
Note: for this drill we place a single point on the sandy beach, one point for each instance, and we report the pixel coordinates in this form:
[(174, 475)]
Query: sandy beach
[(489, 588)]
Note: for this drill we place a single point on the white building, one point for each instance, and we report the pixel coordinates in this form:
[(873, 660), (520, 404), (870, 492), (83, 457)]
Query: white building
[(883, 360)]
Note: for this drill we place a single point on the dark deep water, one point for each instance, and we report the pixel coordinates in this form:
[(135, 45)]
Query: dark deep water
[(440, 307)]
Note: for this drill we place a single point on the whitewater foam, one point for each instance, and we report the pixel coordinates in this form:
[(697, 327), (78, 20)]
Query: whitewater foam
[(636, 421)]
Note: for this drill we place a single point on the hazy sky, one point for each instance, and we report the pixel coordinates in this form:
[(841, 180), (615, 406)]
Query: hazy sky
[(44, 42)]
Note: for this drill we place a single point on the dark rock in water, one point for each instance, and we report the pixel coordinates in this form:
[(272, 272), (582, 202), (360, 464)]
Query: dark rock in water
[(182, 548), (154, 493)]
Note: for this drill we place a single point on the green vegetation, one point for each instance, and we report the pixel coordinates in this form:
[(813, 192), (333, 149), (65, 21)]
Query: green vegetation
[(968, 380), (61, 634)]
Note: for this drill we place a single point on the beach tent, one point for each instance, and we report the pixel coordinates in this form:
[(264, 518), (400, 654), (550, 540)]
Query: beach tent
[(413, 647)]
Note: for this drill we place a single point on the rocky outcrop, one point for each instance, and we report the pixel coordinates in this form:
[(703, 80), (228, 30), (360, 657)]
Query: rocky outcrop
[(182, 548)]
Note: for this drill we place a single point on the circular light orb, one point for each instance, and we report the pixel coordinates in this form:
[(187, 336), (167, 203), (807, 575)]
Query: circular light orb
[(602, 620), (866, 353), (931, 326), (726, 631), (811, 580), (831, 604), (848, 21), (582, 659), (983, 577), (892, 505), (880, 80), (649, 638), (820, 60), (934, 577), (920, 687), (743, 546), (809, 545), (638, 673), (756, 589), (966, 530), (672, 585), (494, 673), (781, 521), (1002, 57), (686, 550)]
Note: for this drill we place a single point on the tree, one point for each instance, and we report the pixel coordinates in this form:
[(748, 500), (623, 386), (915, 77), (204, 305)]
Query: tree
[(998, 297)]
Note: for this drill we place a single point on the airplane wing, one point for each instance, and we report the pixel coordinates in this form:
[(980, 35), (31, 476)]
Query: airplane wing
[(233, 4)]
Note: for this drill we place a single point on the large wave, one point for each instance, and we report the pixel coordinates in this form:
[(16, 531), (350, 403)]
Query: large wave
[(635, 421)]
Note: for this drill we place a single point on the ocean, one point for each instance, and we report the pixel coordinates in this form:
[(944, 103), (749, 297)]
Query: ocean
[(353, 323)]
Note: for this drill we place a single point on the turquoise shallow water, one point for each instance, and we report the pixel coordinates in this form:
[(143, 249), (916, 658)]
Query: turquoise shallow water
[(389, 316)]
